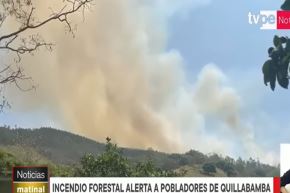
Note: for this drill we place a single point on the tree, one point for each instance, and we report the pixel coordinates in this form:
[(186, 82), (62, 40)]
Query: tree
[(7, 160), (228, 165), (260, 172), (276, 68), (112, 163), (147, 169), (209, 168), (24, 39)]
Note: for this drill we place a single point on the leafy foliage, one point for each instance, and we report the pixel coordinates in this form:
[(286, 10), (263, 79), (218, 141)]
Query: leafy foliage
[(209, 168), (286, 5), (276, 68), (227, 166), (112, 163), (7, 160)]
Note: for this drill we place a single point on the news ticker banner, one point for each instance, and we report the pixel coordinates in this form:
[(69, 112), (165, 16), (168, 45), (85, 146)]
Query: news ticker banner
[(36, 180), (164, 185)]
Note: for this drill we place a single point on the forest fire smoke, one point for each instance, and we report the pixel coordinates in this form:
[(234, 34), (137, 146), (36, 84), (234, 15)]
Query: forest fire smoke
[(117, 78)]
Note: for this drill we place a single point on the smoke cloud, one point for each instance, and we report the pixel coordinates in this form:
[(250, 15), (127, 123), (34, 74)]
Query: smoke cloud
[(117, 78), (214, 98)]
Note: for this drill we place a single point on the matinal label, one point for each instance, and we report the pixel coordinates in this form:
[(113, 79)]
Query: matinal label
[(30, 180)]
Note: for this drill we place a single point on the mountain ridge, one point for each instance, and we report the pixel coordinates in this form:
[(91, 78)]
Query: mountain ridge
[(63, 147)]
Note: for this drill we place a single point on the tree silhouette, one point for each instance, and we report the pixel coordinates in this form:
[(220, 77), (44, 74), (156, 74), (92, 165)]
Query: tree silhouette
[(276, 69)]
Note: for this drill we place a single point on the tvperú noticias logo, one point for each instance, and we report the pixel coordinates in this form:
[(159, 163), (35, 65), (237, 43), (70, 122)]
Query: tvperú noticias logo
[(269, 20)]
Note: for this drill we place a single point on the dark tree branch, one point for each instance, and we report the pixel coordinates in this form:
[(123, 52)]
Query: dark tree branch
[(61, 16), (24, 49), (19, 43), (29, 17)]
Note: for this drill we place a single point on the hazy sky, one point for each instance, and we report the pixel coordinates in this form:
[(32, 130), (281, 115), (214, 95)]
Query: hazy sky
[(214, 40), (223, 36)]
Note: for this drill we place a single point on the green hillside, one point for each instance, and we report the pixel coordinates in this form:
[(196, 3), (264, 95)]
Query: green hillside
[(64, 149)]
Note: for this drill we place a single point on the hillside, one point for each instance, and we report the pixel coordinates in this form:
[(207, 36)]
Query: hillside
[(61, 147), (56, 145)]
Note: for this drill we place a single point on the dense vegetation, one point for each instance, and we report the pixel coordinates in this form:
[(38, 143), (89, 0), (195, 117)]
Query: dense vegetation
[(71, 155), (276, 69), (112, 163), (108, 164)]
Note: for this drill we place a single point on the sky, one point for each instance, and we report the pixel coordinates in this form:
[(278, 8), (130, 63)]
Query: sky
[(284, 157), (198, 64)]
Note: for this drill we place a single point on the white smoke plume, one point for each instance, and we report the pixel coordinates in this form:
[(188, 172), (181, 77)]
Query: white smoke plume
[(116, 78), (214, 98)]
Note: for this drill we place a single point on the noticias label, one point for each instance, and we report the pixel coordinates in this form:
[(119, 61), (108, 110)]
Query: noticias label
[(270, 20), (30, 179)]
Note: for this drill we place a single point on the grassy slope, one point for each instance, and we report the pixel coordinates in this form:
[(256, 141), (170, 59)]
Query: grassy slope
[(48, 145)]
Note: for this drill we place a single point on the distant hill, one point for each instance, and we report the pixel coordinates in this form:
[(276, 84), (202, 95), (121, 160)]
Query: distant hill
[(61, 147), (56, 145)]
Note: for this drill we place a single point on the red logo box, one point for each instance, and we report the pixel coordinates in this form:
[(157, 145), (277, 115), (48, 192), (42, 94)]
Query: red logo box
[(283, 19)]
